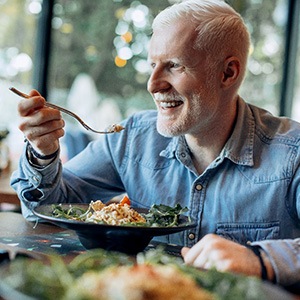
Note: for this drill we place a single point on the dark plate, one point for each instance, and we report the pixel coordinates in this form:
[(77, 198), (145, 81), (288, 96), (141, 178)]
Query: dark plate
[(127, 239)]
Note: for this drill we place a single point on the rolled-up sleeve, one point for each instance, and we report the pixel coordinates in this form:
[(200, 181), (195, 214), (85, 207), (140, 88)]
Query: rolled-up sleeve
[(284, 256)]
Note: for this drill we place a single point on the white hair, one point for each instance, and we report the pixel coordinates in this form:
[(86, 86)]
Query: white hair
[(221, 31)]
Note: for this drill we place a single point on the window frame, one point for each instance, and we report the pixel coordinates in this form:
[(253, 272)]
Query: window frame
[(43, 48), (290, 58)]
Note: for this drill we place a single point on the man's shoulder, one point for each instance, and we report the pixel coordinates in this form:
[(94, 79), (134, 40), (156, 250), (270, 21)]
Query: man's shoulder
[(273, 127)]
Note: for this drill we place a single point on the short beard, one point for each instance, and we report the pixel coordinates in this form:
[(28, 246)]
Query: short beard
[(166, 132), (179, 127)]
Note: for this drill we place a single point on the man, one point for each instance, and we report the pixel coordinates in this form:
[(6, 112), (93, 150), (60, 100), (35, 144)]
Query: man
[(235, 166)]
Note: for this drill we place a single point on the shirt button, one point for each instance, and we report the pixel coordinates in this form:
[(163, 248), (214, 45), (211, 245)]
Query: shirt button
[(183, 154), (198, 187), (191, 236)]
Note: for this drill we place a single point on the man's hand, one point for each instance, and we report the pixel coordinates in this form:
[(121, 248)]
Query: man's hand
[(213, 251), (41, 126)]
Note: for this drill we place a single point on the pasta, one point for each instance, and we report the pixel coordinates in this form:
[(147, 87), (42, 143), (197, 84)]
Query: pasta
[(114, 214)]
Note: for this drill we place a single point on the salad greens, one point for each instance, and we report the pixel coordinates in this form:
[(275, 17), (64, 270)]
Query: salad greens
[(71, 212), (164, 215), (56, 280), (226, 286), (159, 215)]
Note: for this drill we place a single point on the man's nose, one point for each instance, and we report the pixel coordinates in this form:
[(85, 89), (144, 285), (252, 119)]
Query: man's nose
[(157, 82)]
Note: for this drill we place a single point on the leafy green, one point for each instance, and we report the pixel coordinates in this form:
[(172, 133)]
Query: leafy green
[(164, 216), (97, 260), (227, 286), (70, 213), (39, 280), (56, 279), (159, 215)]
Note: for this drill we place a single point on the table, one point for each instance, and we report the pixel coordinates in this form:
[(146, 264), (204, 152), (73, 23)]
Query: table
[(19, 236), (13, 224)]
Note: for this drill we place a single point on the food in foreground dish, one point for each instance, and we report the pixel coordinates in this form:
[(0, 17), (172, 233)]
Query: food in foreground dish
[(87, 273), (121, 214), (141, 282)]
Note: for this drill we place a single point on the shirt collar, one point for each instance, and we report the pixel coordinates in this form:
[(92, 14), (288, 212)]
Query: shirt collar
[(238, 148), (170, 150)]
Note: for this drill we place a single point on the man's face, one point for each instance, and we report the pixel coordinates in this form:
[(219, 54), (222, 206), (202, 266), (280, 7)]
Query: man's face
[(185, 93)]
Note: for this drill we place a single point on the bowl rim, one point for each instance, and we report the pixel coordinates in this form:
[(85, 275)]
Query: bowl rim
[(42, 210)]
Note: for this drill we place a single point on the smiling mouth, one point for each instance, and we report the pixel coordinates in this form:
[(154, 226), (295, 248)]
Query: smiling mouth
[(169, 104)]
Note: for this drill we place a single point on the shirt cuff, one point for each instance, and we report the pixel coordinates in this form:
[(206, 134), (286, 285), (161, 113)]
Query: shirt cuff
[(284, 256)]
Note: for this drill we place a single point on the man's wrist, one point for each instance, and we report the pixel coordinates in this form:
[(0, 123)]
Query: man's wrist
[(267, 272), (41, 156), (40, 161)]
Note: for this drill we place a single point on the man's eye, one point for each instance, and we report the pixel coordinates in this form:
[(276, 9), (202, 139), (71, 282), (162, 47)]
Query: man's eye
[(174, 65)]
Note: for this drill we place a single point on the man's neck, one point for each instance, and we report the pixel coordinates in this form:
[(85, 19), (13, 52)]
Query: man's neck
[(206, 146), (202, 155)]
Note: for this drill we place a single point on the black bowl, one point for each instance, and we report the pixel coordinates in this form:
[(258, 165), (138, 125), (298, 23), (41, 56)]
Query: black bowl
[(126, 239)]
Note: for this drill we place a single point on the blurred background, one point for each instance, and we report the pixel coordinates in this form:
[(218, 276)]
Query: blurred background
[(91, 57)]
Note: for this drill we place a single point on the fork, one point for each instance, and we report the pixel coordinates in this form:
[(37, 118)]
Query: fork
[(111, 129)]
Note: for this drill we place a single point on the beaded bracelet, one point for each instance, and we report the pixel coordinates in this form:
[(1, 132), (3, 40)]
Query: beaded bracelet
[(257, 251), (40, 156)]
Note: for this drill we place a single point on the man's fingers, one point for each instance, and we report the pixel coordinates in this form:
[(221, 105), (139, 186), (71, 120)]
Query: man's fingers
[(184, 251)]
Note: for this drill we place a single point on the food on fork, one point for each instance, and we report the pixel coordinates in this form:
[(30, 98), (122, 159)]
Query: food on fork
[(115, 128)]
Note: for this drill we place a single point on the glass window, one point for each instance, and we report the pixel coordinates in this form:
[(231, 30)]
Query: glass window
[(266, 21), (18, 24), (296, 102), (99, 57)]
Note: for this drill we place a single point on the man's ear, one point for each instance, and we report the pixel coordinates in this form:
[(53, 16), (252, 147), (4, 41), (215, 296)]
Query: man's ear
[(231, 71)]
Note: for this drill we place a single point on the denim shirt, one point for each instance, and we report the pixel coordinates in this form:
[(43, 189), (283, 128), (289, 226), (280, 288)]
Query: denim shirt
[(249, 193)]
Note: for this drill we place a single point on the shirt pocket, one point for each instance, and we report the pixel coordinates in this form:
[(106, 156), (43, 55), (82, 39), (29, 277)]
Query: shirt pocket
[(243, 233)]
